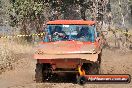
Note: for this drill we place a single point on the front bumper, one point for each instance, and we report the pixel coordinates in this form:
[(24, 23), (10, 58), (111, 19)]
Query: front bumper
[(89, 57)]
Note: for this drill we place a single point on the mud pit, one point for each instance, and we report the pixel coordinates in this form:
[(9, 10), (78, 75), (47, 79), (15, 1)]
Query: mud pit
[(22, 76)]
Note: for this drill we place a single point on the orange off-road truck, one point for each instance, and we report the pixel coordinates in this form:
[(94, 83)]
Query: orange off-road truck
[(69, 46)]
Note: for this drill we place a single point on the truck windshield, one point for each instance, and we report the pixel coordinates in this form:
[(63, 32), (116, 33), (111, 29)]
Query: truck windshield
[(82, 33)]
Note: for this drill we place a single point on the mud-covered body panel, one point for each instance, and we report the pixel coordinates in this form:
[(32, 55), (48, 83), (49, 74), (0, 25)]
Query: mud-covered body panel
[(68, 47), (67, 54)]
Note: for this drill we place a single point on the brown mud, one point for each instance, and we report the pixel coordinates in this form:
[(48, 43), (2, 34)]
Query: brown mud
[(22, 74)]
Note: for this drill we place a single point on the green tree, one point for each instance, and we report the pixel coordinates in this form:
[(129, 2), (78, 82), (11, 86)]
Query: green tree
[(28, 14), (31, 14)]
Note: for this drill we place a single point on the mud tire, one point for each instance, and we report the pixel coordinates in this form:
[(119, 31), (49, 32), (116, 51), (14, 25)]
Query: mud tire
[(81, 80), (95, 69), (39, 73), (99, 63), (99, 58)]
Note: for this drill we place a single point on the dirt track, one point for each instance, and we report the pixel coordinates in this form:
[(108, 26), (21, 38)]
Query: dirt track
[(22, 76)]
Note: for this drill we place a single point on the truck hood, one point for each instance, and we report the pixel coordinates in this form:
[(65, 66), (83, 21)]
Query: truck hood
[(66, 47)]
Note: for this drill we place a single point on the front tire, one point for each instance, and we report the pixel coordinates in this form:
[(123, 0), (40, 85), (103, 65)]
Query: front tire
[(100, 62), (39, 73), (81, 79)]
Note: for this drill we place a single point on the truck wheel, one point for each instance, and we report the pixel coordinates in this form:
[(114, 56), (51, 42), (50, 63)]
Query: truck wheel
[(39, 73), (99, 63), (99, 58), (47, 72), (100, 69), (97, 69), (94, 69), (91, 68), (81, 80)]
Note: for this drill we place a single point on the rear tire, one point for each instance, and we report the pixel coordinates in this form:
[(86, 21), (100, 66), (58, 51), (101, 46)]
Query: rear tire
[(39, 73)]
